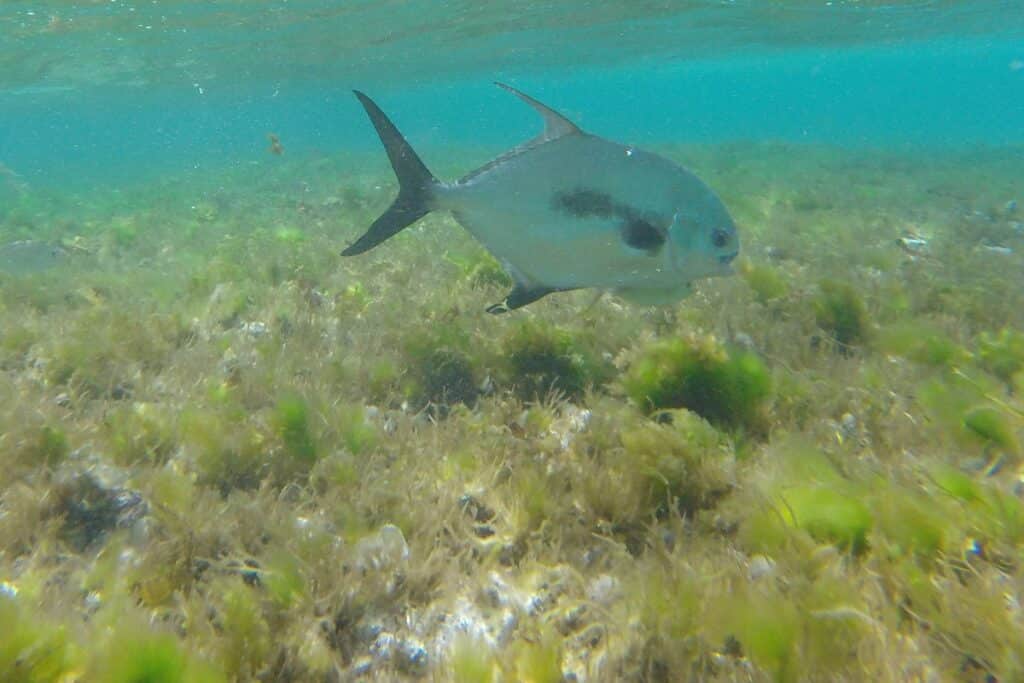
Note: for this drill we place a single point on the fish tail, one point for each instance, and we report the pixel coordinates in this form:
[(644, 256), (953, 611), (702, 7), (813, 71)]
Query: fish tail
[(416, 183)]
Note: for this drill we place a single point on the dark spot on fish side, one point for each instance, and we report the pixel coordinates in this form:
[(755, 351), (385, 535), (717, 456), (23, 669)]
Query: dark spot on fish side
[(639, 234), (585, 204)]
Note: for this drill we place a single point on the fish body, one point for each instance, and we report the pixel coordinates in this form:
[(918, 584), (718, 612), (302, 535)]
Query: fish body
[(25, 257), (275, 144), (570, 210)]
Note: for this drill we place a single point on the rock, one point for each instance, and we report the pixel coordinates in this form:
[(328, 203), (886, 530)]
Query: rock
[(484, 531), (255, 329), (760, 567), (411, 657), (92, 601), (592, 636), (511, 553), (386, 549), (573, 619), (91, 510), (571, 422), (475, 509), (848, 425), (744, 341), (913, 244), (120, 392), (383, 647), (362, 666), (604, 590)]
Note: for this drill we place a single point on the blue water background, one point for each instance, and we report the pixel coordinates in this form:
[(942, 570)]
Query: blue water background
[(944, 92)]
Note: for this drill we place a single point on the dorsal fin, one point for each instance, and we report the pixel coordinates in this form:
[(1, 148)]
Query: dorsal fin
[(555, 125)]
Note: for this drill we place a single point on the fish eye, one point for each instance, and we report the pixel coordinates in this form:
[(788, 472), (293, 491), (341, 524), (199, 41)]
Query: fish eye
[(719, 238)]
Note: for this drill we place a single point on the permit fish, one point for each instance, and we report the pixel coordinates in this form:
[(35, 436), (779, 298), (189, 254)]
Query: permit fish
[(25, 257), (569, 210)]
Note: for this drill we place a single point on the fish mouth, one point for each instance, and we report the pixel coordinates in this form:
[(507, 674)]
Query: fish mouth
[(725, 266)]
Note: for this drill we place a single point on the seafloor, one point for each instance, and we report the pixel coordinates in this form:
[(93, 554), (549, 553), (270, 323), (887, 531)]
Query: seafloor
[(226, 453)]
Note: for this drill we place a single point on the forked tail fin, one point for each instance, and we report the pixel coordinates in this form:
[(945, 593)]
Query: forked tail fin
[(415, 183)]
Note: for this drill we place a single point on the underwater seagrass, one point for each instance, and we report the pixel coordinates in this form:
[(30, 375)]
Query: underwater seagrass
[(569, 210)]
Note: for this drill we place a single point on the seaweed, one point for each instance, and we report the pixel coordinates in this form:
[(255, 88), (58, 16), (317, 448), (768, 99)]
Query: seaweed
[(291, 423), (31, 649), (764, 281), (1002, 354), (727, 388), (230, 454), (442, 371), (541, 359), (840, 311)]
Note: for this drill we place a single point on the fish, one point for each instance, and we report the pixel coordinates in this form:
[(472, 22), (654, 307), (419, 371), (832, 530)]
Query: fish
[(568, 210), (13, 180), (275, 144), (25, 257)]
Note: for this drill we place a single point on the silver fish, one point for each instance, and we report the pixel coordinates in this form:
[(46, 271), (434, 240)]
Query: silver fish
[(569, 210), (25, 257)]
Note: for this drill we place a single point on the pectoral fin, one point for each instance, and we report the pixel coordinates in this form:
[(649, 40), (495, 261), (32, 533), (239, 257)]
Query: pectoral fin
[(520, 296)]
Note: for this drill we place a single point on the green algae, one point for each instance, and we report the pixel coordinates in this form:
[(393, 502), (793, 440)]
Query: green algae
[(31, 650), (447, 377), (767, 629), (150, 658), (480, 270), (1002, 354), (728, 388), (50, 447), (471, 662), (442, 370), (271, 408), (840, 311), (358, 435), (228, 453), (539, 659), (685, 465), (541, 359), (247, 645), (291, 423), (141, 433), (283, 579), (911, 524), (992, 426), (922, 343), (765, 282), (828, 516)]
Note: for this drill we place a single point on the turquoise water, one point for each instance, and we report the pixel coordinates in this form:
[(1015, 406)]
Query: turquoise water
[(115, 88)]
